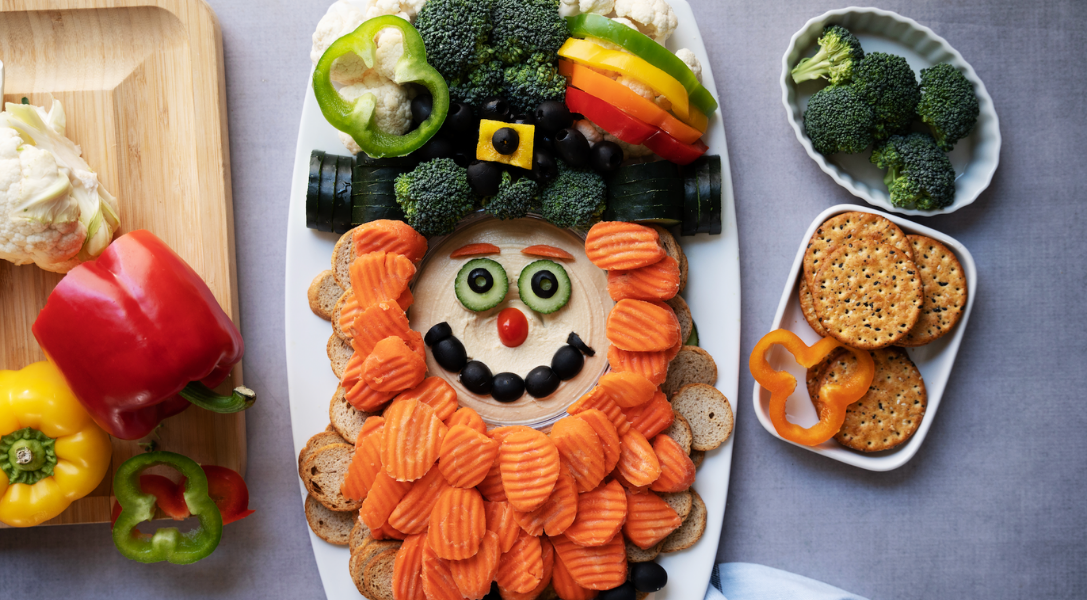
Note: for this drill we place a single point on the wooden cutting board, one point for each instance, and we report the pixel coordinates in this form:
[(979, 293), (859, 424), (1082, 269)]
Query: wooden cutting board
[(143, 87)]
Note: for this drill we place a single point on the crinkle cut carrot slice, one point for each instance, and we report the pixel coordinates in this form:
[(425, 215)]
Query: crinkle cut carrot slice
[(386, 235), (438, 583), (388, 532), (605, 430), (651, 365), (366, 463), (658, 281), (596, 567), (618, 245), (365, 398), (352, 373), (380, 321), (491, 487), (473, 575), (384, 495), (349, 312), (548, 553), (408, 569), (638, 463), (468, 417), (405, 299), (380, 277), (600, 401), (436, 393), (529, 462), (500, 520), (652, 417), (617, 476), (581, 451), (457, 523), (674, 321), (412, 514), (521, 569), (545, 251), (640, 326), (677, 469), (600, 515), (466, 456), (557, 513), (413, 439), (393, 367), (649, 519), (627, 389), (478, 249), (565, 586)]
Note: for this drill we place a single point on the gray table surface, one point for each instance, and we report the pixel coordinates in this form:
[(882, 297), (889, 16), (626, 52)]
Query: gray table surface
[(993, 506)]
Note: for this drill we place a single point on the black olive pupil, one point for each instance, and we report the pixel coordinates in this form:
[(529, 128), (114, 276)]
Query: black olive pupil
[(480, 280), (544, 284)]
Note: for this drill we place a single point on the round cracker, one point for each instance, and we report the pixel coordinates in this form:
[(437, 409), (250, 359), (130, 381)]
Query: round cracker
[(868, 294), (847, 227), (807, 307), (944, 283), (890, 412)]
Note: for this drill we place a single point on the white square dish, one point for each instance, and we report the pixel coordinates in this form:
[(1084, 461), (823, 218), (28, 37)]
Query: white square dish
[(934, 360)]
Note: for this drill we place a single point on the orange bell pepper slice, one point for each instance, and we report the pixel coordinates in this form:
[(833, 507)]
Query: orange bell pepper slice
[(780, 384), (627, 100)]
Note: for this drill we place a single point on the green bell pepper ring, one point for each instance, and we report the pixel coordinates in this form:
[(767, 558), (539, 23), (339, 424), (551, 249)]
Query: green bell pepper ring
[(167, 543), (591, 25), (356, 117)]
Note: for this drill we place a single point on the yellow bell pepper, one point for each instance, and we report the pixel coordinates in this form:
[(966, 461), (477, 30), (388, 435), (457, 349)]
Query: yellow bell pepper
[(51, 452)]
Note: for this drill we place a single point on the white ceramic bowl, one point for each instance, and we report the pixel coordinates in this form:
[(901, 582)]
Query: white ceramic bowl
[(934, 360), (975, 158)]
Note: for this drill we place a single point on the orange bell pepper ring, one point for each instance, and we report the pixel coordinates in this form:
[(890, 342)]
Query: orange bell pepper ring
[(836, 397)]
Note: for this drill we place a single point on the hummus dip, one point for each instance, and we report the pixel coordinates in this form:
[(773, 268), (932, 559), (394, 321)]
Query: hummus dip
[(585, 314)]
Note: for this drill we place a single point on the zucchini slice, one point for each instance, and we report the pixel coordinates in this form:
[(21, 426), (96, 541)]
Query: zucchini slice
[(341, 209), (646, 192), (373, 196), (313, 187), (327, 195)]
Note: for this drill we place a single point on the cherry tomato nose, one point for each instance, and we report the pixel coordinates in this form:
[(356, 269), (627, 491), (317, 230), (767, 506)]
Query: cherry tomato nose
[(512, 327)]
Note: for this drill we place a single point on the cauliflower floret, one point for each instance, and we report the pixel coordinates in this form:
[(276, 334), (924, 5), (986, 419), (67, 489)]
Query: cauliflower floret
[(392, 113), (595, 135), (653, 17), (342, 18), (572, 8), (39, 216), (638, 87), (390, 47), (691, 61), (349, 143), (591, 133), (405, 9)]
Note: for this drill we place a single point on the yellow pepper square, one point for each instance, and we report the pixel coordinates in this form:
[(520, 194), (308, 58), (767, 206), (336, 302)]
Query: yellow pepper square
[(521, 157)]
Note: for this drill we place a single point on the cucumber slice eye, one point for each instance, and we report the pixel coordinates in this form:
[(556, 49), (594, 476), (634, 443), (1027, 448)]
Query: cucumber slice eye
[(481, 284), (544, 286)]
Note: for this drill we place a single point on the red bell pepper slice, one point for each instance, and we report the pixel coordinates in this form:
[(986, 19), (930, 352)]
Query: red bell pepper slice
[(229, 492), (169, 496), (671, 149), (607, 117)]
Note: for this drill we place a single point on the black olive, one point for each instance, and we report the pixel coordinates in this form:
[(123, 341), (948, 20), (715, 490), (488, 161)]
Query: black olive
[(544, 167), (541, 382), (421, 106), (567, 362), (494, 594), (484, 177), (505, 140), (476, 377), (552, 116), (544, 283), (460, 119), (524, 119), (507, 387), (437, 147), (495, 109), (572, 146), (464, 158), (623, 592), (542, 141), (575, 340), (480, 280), (606, 157), (648, 576), (450, 354), (437, 333)]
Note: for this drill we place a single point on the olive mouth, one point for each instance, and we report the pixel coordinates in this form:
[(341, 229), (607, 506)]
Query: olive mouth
[(541, 382)]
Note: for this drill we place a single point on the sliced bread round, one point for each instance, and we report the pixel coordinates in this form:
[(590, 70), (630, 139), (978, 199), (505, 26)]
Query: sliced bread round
[(691, 365), (342, 256), (683, 313), (681, 502), (680, 431), (673, 249), (697, 456), (323, 294), (335, 318), (323, 475), (346, 419), (359, 537), (320, 440), (377, 576), (339, 354), (708, 413), (691, 530), (331, 526), (636, 554), (360, 559)]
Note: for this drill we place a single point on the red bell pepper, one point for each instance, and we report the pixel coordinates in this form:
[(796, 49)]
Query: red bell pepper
[(607, 117), (139, 336), (229, 492), (669, 148)]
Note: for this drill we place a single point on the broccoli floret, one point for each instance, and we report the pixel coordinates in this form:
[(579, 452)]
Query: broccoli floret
[(526, 27), (514, 198), (574, 199), (919, 174), (948, 104), (838, 120), (533, 81), (889, 86), (838, 52), (478, 84), (455, 34), (434, 196)]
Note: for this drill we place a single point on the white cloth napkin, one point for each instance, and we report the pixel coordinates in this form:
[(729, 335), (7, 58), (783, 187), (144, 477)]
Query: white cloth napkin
[(746, 581)]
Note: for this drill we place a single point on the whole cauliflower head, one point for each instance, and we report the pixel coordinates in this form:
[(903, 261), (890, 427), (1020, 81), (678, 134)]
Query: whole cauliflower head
[(572, 8), (393, 111), (39, 217), (654, 18), (691, 61)]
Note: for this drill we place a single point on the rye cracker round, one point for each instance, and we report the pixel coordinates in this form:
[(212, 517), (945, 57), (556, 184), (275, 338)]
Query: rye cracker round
[(868, 294), (944, 283), (848, 227), (807, 306)]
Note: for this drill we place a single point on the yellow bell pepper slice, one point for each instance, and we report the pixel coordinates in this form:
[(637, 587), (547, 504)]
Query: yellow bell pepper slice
[(521, 157), (594, 55), (48, 444)]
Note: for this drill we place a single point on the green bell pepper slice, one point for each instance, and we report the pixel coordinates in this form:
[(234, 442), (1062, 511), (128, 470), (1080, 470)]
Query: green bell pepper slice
[(357, 117), (167, 543), (591, 25)]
